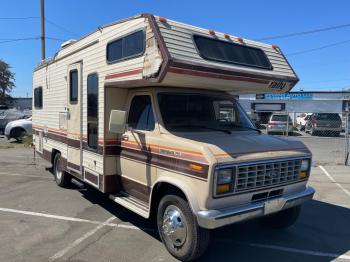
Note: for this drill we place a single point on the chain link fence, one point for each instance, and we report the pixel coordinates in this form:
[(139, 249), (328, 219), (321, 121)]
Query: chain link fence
[(325, 134)]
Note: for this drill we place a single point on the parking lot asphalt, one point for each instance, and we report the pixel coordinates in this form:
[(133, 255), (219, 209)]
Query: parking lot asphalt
[(42, 222)]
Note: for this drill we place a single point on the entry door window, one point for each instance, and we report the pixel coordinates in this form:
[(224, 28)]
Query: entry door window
[(73, 86), (141, 115), (92, 110)]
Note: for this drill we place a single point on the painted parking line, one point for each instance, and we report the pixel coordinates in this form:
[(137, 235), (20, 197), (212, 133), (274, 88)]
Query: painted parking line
[(88, 234), (73, 219), (24, 175), (334, 181)]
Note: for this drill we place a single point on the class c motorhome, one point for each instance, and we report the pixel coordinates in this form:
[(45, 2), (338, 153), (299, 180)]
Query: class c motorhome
[(145, 110)]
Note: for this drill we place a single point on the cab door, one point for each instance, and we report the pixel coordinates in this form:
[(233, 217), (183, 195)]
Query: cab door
[(138, 142), (74, 120)]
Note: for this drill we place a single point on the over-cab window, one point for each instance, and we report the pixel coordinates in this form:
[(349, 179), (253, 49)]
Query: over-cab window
[(38, 97), (141, 115), (126, 47), (73, 85), (92, 110), (231, 53)]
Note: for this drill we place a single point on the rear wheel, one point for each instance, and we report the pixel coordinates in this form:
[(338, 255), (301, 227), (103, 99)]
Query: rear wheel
[(178, 229), (282, 219), (62, 178)]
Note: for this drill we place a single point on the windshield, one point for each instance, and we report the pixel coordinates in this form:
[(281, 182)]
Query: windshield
[(200, 112), (280, 118)]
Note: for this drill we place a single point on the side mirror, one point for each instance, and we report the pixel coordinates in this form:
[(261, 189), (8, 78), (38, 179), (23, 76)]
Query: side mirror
[(117, 121)]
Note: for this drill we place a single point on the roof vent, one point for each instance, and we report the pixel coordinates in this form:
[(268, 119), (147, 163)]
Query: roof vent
[(68, 43)]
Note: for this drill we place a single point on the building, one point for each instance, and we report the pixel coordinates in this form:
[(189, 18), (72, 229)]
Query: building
[(22, 103), (296, 102)]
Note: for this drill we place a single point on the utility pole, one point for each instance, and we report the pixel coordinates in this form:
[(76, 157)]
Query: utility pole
[(42, 15)]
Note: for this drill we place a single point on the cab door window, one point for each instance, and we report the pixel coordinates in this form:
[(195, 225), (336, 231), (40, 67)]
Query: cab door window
[(141, 115)]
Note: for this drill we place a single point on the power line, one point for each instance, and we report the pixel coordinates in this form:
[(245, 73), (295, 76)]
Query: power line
[(61, 27), (318, 48), (327, 81), (305, 32), (10, 40), (19, 18)]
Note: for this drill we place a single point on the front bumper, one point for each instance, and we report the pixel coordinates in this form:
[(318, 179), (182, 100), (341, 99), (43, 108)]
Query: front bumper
[(217, 218)]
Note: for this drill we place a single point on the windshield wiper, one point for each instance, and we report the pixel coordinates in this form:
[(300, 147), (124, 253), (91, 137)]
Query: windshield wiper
[(246, 127), (206, 127)]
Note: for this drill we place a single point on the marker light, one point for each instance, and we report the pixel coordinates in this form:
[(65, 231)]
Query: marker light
[(211, 32), (162, 19), (240, 39), (196, 167), (227, 36)]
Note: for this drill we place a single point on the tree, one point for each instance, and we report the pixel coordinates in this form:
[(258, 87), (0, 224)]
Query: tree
[(7, 79)]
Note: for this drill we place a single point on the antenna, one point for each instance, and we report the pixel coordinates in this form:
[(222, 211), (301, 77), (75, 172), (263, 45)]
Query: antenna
[(42, 37)]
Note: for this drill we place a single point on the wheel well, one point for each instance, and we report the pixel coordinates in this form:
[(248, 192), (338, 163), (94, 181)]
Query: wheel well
[(53, 154), (16, 129), (160, 190)]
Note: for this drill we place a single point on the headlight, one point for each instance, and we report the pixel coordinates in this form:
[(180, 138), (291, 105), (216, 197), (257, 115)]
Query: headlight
[(224, 176), (305, 163)]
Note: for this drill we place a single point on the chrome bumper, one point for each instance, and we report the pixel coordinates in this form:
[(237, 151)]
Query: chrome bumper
[(217, 218)]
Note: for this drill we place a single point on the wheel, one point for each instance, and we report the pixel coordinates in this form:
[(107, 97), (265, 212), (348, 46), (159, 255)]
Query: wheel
[(18, 133), (282, 219), (62, 178), (178, 229)]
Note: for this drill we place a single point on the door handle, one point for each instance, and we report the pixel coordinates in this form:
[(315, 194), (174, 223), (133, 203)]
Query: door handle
[(125, 137)]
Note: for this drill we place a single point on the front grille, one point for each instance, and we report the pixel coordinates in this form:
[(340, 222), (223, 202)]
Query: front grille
[(266, 174)]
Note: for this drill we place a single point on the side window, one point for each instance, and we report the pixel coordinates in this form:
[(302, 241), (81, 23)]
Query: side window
[(73, 86), (126, 47), (141, 114), (92, 110), (38, 97)]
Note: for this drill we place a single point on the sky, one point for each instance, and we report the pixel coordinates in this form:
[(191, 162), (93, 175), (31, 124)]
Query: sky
[(323, 69)]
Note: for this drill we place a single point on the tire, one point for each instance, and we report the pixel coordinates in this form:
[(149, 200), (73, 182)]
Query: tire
[(282, 219), (62, 178), (187, 241), (18, 133)]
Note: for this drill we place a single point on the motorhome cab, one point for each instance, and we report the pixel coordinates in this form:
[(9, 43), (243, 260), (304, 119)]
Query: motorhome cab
[(145, 110)]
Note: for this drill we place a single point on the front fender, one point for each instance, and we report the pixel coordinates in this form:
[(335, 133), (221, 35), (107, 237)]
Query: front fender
[(181, 185)]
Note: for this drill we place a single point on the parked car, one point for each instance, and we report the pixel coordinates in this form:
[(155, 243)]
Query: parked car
[(324, 123), (279, 123), (302, 120), (8, 115), (18, 129)]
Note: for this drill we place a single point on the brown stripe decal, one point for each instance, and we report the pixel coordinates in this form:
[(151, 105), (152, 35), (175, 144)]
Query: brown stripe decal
[(127, 73), (135, 189), (91, 177), (214, 75)]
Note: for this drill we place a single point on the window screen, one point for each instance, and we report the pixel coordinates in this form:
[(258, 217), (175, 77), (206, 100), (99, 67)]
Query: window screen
[(92, 110), (38, 97), (231, 53), (73, 85), (141, 114), (127, 47)]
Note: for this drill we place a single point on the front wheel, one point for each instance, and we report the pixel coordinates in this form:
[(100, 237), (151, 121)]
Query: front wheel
[(282, 219), (178, 229)]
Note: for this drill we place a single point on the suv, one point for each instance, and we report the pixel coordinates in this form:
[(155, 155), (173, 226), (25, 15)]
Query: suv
[(324, 123), (278, 123)]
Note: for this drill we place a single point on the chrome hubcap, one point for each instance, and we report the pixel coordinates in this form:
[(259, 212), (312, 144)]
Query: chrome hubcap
[(174, 226), (58, 171)]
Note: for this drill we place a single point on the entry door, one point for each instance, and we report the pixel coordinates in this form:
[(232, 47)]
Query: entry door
[(74, 122)]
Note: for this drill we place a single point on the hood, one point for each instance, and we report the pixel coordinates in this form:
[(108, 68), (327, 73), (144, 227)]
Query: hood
[(20, 121), (224, 147)]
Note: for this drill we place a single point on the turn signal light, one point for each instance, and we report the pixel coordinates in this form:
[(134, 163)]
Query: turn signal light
[(220, 189), (302, 174), (196, 167)]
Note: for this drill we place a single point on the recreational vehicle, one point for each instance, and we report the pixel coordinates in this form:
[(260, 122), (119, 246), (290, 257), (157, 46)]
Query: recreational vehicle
[(146, 111)]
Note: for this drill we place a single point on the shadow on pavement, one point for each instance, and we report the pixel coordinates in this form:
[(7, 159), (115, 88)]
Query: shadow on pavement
[(322, 227)]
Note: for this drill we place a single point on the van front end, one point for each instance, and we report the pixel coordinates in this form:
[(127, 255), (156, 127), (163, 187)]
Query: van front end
[(248, 190)]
